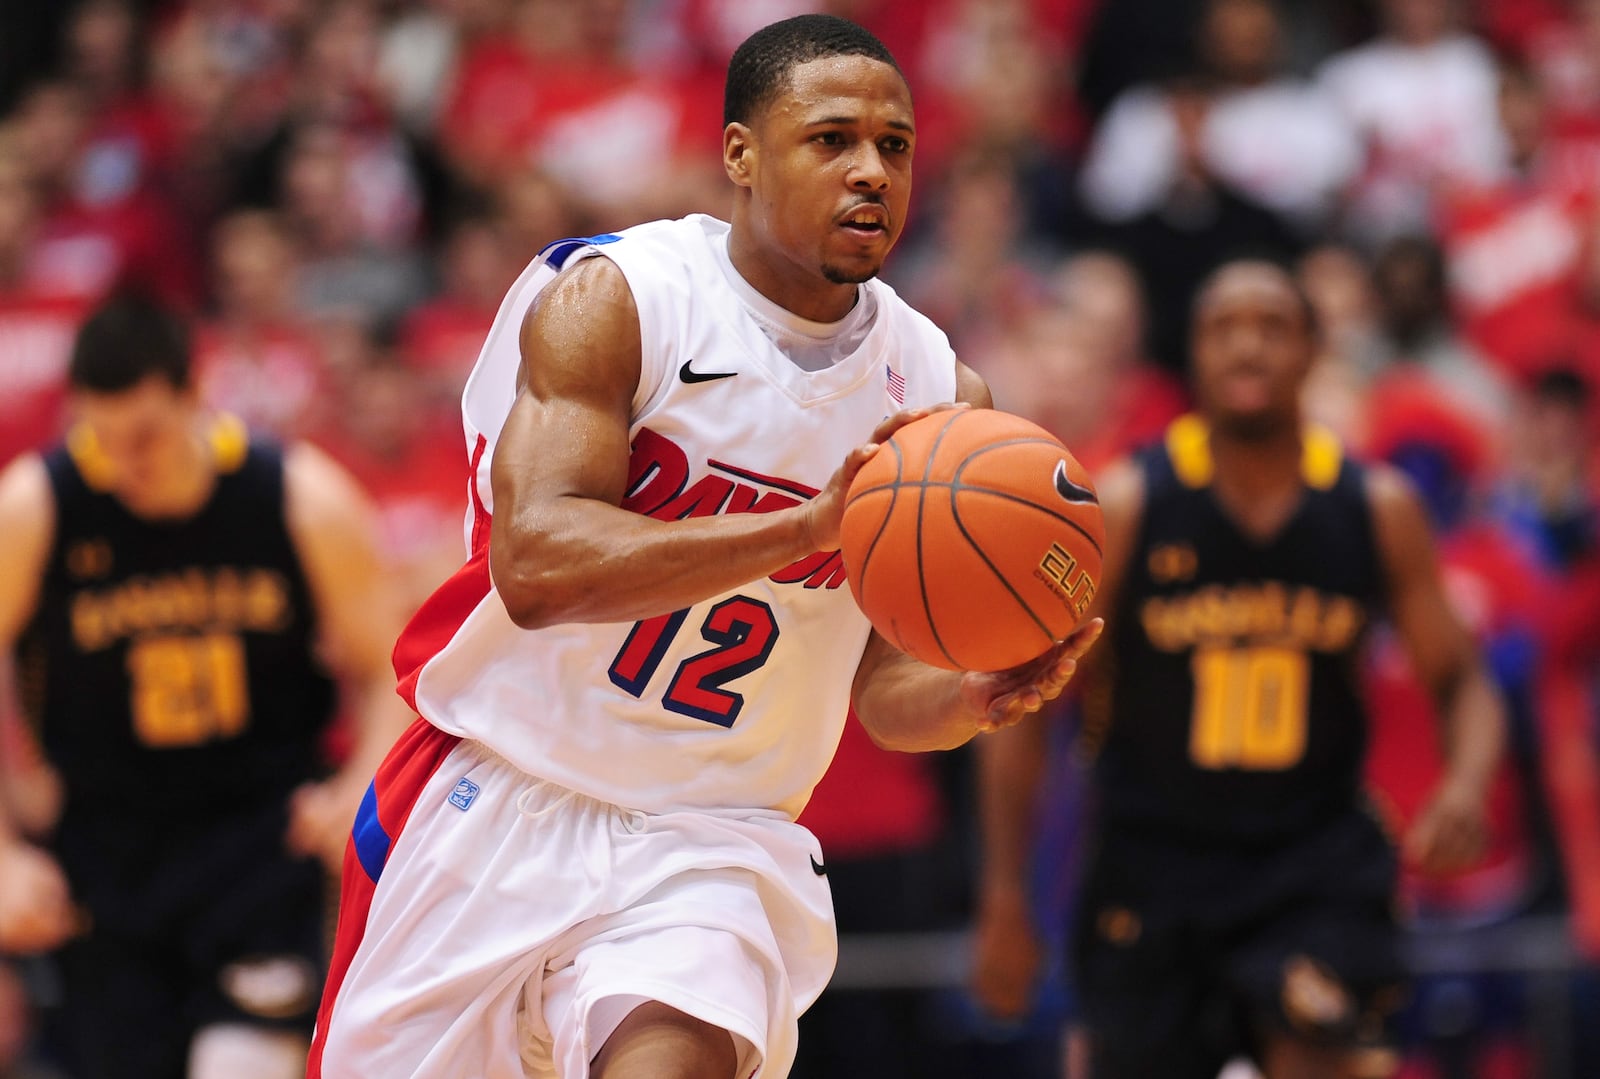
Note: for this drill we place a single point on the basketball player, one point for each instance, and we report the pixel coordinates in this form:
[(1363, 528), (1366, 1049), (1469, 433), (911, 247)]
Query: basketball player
[(584, 861), (168, 585), (1238, 893)]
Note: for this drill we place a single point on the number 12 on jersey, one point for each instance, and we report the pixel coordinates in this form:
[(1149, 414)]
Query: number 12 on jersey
[(742, 631)]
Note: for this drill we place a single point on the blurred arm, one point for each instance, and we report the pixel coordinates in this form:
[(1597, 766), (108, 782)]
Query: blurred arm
[(332, 524), (1451, 830), (36, 912)]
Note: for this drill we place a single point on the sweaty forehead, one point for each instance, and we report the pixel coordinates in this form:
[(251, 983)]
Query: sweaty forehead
[(844, 87)]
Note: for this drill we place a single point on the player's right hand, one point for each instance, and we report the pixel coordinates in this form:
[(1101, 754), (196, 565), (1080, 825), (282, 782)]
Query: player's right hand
[(825, 512), (1006, 956), (36, 909)]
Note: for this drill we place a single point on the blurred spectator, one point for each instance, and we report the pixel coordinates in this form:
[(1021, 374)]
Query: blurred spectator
[(1338, 284), (37, 322), (534, 210), (405, 451), (1554, 462), (440, 338), (1199, 222), (354, 260), (1523, 262), (560, 89), (102, 223), (256, 357), (1421, 98), (1267, 134), (975, 266), (1075, 364), (1495, 590), (1549, 495), (420, 49), (1417, 331)]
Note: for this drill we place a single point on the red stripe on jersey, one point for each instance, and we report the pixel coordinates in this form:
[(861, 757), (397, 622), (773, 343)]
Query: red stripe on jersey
[(442, 613), (398, 783)]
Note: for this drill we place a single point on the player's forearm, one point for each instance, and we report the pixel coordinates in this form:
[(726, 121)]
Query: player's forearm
[(1475, 730), (1010, 769), (912, 707), (582, 560)]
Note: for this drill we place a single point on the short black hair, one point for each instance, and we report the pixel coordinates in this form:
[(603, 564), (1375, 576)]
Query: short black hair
[(126, 340), (760, 67), (1308, 310)]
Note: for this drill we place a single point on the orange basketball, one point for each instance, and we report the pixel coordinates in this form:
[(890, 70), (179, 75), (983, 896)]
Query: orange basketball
[(972, 540)]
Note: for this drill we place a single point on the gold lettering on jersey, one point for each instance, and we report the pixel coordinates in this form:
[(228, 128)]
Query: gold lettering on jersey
[(1172, 562), (224, 599), (1267, 613), (1070, 583), (89, 558)]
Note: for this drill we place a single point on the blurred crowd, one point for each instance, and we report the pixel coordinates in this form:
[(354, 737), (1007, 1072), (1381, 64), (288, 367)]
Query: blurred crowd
[(338, 193)]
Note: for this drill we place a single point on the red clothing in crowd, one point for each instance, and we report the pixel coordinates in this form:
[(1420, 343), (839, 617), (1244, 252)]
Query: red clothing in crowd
[(441, 338), (873, 802), (36, 334), (1515, 256), (272, 378)]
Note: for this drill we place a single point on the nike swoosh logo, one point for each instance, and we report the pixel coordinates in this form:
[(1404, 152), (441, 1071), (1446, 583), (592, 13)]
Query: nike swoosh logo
[(817, 867), (691, 376), (1072, 492)]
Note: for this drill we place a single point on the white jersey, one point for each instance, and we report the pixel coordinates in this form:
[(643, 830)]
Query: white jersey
[(736, 703)]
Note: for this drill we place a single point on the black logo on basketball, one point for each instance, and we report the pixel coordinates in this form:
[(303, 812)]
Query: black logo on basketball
[(1072, 492), (691, 376)]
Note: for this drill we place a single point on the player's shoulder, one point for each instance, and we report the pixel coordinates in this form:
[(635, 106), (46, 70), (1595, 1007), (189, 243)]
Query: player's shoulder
[(318, 490), (25, 489)]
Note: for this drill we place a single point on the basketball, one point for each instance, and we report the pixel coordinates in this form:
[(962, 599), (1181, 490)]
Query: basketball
[(972, 540)]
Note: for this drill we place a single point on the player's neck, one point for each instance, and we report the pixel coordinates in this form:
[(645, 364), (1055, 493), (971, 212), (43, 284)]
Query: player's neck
[(1258, 480), (791, 287), (190, 487)]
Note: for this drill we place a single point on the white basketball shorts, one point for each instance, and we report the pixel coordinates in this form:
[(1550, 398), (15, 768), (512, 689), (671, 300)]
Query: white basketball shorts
[(496, 926)]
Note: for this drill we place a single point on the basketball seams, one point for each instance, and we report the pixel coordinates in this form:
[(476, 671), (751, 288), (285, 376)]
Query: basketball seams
[(1008, 496), (983, 556), (888, 514), (922, 501)]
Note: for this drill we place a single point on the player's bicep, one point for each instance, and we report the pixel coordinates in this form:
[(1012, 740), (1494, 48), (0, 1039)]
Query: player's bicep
[(971, 388), (1439, 645), (567, 431)]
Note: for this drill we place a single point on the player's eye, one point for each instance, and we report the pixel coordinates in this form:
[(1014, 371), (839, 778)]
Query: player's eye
[(895, 145), (829, 138)]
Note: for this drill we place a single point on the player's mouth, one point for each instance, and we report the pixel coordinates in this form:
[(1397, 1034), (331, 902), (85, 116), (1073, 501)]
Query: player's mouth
[(866, 221)]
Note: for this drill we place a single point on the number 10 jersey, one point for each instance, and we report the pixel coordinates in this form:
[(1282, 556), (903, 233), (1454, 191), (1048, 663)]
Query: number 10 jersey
[(1234, 712)]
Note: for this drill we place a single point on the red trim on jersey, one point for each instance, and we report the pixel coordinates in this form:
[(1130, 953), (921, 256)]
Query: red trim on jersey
[(442, 613), (398, 783)]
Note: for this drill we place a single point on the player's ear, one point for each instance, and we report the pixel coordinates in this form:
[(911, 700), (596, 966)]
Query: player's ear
[(738, 153)]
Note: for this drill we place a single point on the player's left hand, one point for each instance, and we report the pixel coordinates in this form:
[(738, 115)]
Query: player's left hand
[(320, 818), (1451, 832), (1002, 698)]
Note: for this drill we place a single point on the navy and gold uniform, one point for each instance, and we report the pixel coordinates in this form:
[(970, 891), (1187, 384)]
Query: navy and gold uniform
[(1236, 877), (171, 674)]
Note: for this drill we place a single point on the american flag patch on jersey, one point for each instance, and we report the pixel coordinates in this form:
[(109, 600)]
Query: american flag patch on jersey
[(897, 384)]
